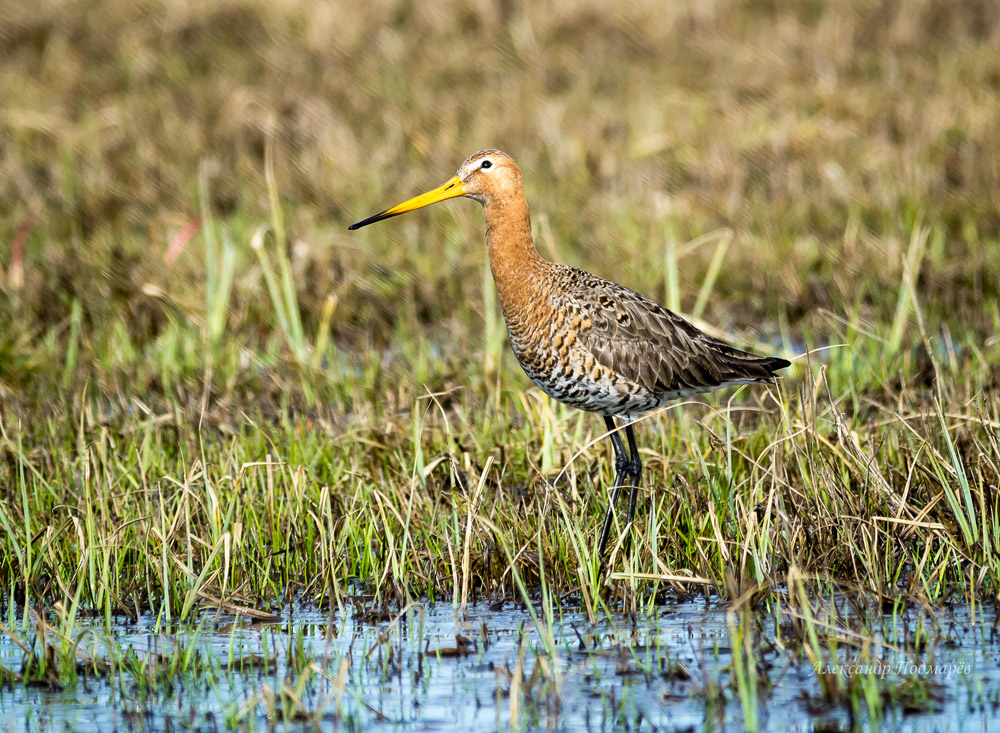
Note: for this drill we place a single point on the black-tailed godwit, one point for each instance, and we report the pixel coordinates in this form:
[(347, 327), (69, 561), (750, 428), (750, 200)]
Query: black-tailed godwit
[(584, 340)]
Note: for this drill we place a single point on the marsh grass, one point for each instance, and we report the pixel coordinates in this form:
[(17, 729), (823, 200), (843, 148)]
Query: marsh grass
[(320, 668), (210, 390)]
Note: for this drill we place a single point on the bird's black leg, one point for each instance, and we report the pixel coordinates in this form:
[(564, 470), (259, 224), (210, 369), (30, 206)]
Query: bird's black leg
[(634, 470), (622, 464)]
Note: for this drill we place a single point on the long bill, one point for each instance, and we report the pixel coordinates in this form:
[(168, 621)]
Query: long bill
[(448, 190)]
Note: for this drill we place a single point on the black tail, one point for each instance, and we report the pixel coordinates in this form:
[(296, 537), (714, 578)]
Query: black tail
[(774, 363)]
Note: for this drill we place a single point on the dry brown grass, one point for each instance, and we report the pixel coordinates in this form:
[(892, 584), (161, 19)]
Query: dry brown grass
[(848, 148)]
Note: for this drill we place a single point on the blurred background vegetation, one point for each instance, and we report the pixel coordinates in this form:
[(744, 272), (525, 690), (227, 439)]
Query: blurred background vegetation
[(818, 134), (180, 297)]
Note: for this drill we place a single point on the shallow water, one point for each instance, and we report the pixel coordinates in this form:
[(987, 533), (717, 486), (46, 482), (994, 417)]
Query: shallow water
[(662, 671)]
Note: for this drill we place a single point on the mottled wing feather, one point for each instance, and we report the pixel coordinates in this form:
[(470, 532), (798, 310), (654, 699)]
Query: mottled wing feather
[(653, 347)]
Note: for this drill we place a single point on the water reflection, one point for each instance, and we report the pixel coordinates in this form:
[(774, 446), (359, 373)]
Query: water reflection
[(690, 665)]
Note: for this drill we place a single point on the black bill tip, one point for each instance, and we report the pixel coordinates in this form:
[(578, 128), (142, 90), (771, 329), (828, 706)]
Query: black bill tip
[(371, 220)]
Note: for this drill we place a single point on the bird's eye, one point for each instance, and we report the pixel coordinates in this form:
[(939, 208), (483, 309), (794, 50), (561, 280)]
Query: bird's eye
[(487, 164)]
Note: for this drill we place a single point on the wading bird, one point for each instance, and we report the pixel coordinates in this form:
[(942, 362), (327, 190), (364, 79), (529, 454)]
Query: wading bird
[(584, 340)]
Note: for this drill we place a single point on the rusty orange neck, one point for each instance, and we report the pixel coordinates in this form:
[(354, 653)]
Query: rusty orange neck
[(514, 261)]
